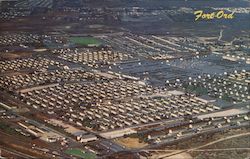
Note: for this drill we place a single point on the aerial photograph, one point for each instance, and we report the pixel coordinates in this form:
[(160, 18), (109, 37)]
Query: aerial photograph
[(124, 79)]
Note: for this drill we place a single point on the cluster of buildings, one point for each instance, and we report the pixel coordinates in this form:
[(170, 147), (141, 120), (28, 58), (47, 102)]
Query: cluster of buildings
[(157, 47), (42, 133), (242, 10), (13, 13), (6, 115), (140, 12), (70, 90), (93, 58), (80, 135), (105, 105), (74, 102), (235, 57), (137, 111), (88, 92), (14, 39), (196, 128), (236, 50), (232, 87), (34, 4), (29, 63), (22, 81), (85, 14)]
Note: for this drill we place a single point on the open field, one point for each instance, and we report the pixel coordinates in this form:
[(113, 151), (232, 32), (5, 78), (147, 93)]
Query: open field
[(227, 149), (219, 145), (131, 142), (86, 41)]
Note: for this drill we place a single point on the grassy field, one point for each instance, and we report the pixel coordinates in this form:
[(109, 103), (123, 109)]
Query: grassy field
[(80, 153), (86, 41)]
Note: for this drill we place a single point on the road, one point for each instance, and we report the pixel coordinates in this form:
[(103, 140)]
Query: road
[(201, 150)]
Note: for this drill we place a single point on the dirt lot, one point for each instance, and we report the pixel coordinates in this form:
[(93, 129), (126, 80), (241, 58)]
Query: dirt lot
[(180, 156), (131, 142), (217, 147), (228, 149)]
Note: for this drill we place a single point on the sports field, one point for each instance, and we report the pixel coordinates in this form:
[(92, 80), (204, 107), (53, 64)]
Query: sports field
[(87, 41), (80, 153)]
